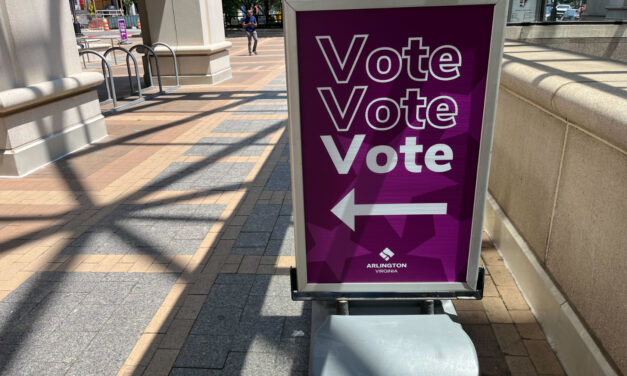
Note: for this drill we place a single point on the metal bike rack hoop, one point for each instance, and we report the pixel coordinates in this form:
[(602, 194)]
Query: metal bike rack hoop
[(128, 67), (176, 68), (146, 50), (110, 84)]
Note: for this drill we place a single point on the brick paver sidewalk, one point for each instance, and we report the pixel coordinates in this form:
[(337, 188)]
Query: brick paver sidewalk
[(165, 248)]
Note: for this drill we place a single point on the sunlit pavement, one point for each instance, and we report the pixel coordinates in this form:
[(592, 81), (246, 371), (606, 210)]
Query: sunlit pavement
[(165, 248)]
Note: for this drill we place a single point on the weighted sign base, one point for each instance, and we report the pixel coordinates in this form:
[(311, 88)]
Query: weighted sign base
[(355, 296), (385, 338)]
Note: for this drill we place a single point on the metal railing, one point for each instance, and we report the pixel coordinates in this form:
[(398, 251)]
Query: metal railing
[(108, 13)]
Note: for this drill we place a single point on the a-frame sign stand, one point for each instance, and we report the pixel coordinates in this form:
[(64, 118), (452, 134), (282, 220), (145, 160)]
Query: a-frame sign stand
[(391, 115)]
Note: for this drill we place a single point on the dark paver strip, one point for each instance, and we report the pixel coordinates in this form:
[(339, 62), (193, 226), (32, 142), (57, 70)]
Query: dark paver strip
[(280, 179)]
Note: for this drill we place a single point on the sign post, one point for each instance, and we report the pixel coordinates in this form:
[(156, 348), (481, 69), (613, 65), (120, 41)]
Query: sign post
[(123, 35), (391, 120)]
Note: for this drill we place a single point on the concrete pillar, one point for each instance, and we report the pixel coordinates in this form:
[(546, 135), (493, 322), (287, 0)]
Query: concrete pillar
[(195, 30), (48, 106), (617, 10), (596, 8)]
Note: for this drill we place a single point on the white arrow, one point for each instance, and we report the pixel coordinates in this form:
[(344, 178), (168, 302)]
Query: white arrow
[(346, 210)]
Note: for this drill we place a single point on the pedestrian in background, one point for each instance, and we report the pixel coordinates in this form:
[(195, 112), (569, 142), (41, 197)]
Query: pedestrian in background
[(250, 24)]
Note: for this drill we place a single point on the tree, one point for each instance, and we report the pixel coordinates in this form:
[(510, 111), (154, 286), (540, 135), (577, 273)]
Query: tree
[(127, 5), (231, 6)]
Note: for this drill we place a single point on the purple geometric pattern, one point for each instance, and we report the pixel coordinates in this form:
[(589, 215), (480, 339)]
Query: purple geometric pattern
[(433, 247)]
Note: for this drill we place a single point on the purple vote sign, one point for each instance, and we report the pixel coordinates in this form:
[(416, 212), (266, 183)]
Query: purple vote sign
[(391, 114), (122, 27)]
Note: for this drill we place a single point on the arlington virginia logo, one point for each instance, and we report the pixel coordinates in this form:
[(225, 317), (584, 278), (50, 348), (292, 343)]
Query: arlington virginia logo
[(388, 267)]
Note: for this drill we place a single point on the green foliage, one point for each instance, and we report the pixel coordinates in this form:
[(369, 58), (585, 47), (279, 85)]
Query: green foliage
[(231, 6)]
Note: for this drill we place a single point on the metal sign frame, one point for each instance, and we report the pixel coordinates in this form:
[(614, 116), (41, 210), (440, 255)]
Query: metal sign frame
[(291, 7)]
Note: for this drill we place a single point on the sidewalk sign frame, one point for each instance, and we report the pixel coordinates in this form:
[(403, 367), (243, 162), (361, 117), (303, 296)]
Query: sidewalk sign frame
[(421, 290), (122, 28)]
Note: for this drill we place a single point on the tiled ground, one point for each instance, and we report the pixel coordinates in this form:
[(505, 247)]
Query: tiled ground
[(268, 231), (166, 229), (189, 176), (165, 248), (248, 316), (248, 125), (216, 146), (77, 323)]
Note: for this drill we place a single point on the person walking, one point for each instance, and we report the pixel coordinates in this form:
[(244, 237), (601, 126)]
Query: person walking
[(250, 24)]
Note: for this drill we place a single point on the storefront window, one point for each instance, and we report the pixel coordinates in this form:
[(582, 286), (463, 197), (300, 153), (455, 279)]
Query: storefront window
[(538, 11)]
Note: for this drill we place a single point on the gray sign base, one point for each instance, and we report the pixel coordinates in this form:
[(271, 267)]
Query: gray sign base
[(390, 338)]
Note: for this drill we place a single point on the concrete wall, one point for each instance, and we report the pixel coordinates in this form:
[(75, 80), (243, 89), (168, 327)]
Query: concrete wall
[(559, 173), (605, 41), (596, 7), (38, 39), (48, 106), (195, 31)]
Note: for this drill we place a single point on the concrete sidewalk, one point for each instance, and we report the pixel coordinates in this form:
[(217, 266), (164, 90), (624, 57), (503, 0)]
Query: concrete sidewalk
[(166, 247)]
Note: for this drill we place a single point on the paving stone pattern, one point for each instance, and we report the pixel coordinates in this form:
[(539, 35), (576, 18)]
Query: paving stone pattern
[(248, 125), (165, 229), (80, 321), (60, 323), (248, 326), (273, 88), (281, 178), (263, 101), (286, 153), (263, 109), (229, 146), (184, 176), (268, 231)]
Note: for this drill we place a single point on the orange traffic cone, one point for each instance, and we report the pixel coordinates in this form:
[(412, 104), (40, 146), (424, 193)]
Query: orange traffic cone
[(139, 24), (106, 25)]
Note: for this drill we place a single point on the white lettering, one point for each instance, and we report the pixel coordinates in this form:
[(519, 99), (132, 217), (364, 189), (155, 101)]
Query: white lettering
[(342, 69), (391, 158), (339, 116), (438, 152), (343, 165), (410, 149)]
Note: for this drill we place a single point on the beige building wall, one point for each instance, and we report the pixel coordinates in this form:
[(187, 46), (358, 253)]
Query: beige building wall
[(608, 41), (48, 107), (195, 31), (559, 174)]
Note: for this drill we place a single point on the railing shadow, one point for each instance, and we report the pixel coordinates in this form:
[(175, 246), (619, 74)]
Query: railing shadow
[(21, 321)]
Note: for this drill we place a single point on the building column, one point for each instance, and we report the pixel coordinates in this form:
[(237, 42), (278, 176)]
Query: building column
[(195, 31), (48, 106), (617, 10)]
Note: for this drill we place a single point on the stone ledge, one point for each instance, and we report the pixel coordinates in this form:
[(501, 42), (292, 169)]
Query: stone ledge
[(209, 49), (575, 347), (15, 99), (25, 159), (565, 31), (586, 91)]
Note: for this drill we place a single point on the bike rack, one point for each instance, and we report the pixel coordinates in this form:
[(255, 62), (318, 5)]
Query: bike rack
[(128, 68), (146, 50), (176, 68), (108, 74), (109, 84)]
